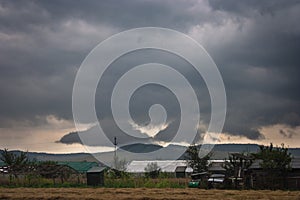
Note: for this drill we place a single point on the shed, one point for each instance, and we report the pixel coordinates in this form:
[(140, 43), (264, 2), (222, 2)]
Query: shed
[(180, 171), (95, 176)]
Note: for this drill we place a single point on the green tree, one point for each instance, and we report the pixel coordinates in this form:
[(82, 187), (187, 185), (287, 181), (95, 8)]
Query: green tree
[(236, 166), (16, 163), (275, 162), (152, 170), (195, 162), (274, 158), (119, 168), (120, 164)]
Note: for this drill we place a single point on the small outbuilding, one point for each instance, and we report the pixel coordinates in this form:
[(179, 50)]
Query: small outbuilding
[(95, 176), (180, 171)]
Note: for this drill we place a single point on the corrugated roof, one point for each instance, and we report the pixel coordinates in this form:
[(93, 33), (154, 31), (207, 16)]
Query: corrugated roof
[(165, 165), (180, 169), (81, 167), (295, 164), (255, 164), (96, 169)]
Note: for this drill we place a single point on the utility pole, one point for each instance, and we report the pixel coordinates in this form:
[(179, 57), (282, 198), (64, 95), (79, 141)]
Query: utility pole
[(115, 153), (115, 143)]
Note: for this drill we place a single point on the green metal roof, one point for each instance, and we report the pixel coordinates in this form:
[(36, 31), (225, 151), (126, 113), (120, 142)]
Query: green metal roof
[(81, 167)]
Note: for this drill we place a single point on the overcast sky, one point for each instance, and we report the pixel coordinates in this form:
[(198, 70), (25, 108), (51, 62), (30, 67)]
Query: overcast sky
[(255, 45)]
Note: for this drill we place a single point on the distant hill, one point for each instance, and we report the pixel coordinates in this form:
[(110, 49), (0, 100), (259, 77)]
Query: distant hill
[(59, 157), (220, 151), (141, 148)]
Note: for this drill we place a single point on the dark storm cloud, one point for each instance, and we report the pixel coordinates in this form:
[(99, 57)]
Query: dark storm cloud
[(255, 44), (287, 134), (261, 80), (70, 138), (248, 7)]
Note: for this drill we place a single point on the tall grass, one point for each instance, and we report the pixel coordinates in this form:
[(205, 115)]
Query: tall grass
[(126, 181), (142, 182)]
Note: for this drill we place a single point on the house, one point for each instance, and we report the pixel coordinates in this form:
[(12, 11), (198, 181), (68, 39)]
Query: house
[(291, 180), (87, 172), (75, 172)]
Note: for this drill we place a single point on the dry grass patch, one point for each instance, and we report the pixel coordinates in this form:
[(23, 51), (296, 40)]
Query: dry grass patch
[(143, 194)]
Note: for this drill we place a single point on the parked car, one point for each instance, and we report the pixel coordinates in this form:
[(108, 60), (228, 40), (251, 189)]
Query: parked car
[(216, 181), (198, 180)]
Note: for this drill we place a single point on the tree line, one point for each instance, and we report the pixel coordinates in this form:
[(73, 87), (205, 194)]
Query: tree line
[(16, 164), (275, 163)]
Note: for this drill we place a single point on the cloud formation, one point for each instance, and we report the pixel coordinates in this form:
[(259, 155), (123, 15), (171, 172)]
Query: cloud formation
[(255, 44)]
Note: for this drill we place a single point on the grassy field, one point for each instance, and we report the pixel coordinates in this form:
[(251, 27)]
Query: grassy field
[(142, 194)]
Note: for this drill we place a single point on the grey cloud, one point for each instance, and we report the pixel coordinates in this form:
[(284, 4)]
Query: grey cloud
[(70, 138), (287, 134), (246, 7), (42, 44)]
